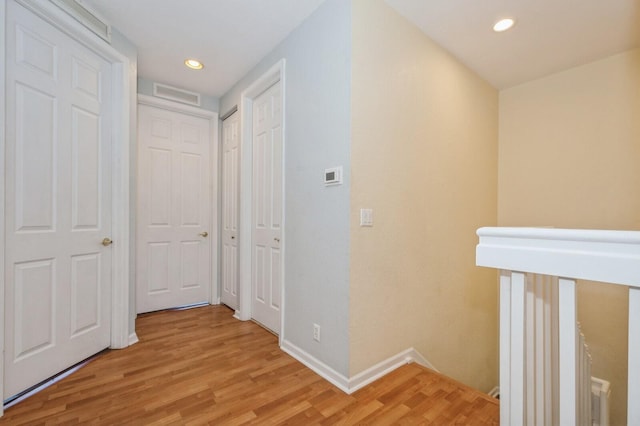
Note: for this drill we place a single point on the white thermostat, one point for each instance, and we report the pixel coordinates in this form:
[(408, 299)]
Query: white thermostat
[(333, 176)]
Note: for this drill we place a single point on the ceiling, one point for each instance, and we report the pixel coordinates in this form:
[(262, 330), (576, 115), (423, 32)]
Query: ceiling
[(231, 36), (549, 35), (228, 36)]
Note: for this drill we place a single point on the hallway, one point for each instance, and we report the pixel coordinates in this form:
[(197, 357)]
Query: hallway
[(202, 366)]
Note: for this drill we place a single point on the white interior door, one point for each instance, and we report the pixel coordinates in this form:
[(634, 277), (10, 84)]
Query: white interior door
[(174, 209), (230, 211), (267, 206), (58, 201)]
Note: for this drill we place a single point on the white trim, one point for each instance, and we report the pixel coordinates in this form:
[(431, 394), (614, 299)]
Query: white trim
[(133, 338), (120, 206), (360, 380), (214, 296), (606, 256), (3, 20), (273, 75), (120, 170), (386, 366), (322, 369)]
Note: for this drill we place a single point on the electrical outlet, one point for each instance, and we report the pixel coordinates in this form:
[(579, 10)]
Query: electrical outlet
[(316, 332)]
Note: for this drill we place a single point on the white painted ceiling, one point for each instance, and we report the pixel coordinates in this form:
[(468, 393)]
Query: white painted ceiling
[(231, 36), (549, 35), (228, 36)]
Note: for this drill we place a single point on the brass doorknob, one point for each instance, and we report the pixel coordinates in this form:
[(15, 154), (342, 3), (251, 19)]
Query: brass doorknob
[(107, 242), (204, 234)]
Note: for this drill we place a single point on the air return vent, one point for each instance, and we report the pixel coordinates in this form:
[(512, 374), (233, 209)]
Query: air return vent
[(86, 17), (175, 94)]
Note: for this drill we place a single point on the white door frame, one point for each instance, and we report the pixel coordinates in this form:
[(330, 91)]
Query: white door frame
[(120, 166), (214, 294), (273, 75)]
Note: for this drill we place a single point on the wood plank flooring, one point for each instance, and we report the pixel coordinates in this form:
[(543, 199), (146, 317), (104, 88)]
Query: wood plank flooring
[(201, 366)]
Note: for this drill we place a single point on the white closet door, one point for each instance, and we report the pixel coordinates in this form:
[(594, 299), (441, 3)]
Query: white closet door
[(230, 197), (267, 208), (174, 209), (58, 201)]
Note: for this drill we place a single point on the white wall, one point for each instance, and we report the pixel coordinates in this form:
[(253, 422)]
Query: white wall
[(317, 120)]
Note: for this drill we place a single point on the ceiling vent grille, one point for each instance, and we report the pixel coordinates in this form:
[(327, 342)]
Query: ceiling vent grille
[(86, 17), (175, 94)]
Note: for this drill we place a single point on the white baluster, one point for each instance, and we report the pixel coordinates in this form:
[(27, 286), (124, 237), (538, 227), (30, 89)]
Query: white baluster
[(517, 374), (541, 348), (568, 344), (530, 327), (554, 363), (505, 347), (633, 380)]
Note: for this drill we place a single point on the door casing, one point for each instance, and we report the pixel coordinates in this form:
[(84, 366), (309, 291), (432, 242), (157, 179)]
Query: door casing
[(274, 74), (120, 166)]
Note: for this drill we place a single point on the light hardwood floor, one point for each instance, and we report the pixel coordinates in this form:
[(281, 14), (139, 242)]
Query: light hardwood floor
[(201, 366)]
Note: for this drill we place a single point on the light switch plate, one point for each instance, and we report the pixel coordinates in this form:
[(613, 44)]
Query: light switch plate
[(366, 217)]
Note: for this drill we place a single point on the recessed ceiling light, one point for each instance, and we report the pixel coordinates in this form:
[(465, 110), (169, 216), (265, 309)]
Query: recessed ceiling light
[(194, 64), (503, 25)]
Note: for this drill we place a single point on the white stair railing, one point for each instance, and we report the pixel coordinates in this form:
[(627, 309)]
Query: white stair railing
[(545, 375)]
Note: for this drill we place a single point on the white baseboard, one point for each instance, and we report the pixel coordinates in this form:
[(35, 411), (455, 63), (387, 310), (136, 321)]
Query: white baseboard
[(326, 372), (133, 338), (350, 385), (385, 367)]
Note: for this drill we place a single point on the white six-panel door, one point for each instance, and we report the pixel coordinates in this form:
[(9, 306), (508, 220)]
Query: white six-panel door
[(230, 197), (267, 208), (174, 209), (58, 201)]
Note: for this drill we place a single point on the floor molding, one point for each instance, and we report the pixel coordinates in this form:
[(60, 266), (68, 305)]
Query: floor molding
[(133, 338), (326, 372), (371, 374)]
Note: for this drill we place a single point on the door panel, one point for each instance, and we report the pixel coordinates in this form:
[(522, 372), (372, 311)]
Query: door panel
[(85, 293), (85, 163), (190, 191), (34, 317), (174, 202), (58, 201), (230, 197), (267, 208), (35, 167)]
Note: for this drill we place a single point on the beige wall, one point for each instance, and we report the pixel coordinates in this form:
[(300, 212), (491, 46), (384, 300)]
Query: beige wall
[(424, 158), (570, 157)]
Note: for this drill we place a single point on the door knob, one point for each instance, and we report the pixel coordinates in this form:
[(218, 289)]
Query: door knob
[(107, 242), (204, 234), (277, 240), (233, 237)]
